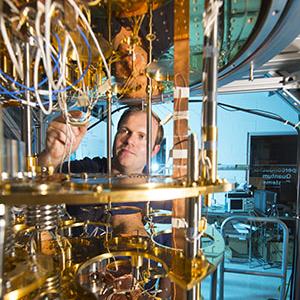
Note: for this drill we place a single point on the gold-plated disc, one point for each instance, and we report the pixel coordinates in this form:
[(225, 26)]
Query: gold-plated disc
[(26, 275), (181, 270), (95, 189)]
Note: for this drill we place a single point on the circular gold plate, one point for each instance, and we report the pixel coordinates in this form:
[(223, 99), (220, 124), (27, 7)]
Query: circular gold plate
[(95, 189), (23, 280)]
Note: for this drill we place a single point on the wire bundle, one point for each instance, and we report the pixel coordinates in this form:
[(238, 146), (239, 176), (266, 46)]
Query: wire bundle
[(55, 46)]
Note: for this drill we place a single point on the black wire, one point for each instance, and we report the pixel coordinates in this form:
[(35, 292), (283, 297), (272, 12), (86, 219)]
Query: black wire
[(179, 142), (262, 113), (268, 112), (227, 109), (105, 116)]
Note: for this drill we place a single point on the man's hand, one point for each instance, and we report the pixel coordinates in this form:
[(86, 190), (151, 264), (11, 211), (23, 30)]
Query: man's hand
[(61, 140)]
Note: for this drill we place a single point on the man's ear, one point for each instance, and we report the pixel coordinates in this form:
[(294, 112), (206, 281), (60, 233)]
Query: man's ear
[(155, 150)]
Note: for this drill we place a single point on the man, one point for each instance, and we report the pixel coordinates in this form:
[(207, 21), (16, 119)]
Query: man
[(129, 156), (129, 149)]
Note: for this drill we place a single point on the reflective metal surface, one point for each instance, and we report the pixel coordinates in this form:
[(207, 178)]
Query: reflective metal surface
[(101, 190), (25, 275)]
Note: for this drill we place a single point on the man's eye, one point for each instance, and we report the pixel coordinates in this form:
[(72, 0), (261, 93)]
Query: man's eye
[(123, 131), (142, 136)]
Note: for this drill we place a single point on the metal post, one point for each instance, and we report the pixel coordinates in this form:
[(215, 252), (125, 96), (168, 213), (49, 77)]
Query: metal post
[(213, 285), (2, 207), (27, 124), (209, 108), (1, 141), (2, 240), (295, 290), (12, 165), (149, 93), (28, 108), (193, 159), (108, 130), (192, 245), (149, 127), (109, 100), (221, 278), (193, 207), (250, 244), (193, 215), (39, 131), (193, 211), (194, 293)]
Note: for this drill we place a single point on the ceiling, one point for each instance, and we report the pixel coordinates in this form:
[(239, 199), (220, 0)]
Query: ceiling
[(281, 74)]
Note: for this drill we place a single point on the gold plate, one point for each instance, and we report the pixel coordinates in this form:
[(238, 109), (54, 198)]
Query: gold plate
[(23, 280), (99, 190), (179, 269)]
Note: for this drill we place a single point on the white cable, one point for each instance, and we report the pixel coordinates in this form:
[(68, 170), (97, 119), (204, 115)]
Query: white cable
[(36, 81), (48, 45), (12, 6), (20, 57), (49, 10), (62, 103), (210, 15), (3, 78), (39, 37), (77, 9), (46, 56), (62, 62), (78, 61), (9, 47)]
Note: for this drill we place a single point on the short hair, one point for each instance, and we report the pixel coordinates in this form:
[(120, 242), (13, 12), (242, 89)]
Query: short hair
[(135, 109)]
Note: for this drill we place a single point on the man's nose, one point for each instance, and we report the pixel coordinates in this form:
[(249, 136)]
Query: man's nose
[(131, 139)]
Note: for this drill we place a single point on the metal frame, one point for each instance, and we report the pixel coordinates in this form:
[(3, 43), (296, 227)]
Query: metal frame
[(265, 84), (283, 272), (280, 28), (295, 291), (290, 99)]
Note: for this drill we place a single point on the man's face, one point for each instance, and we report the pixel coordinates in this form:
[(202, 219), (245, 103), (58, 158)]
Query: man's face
[(130, 145)]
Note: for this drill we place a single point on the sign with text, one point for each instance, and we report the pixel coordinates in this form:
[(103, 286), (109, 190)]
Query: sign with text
[(273, 176), (273, 166)]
